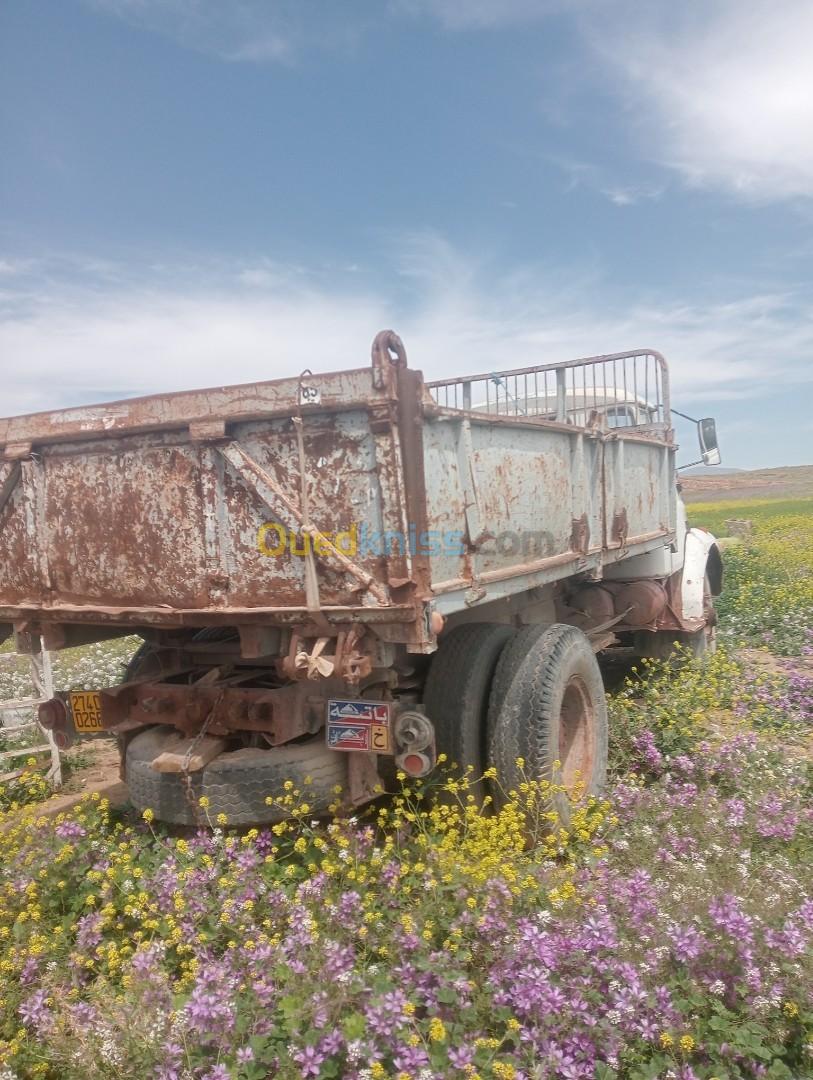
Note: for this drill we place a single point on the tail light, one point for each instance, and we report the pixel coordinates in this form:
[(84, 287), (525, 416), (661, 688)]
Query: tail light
[(415, 763), (415, 742), (63, 739)]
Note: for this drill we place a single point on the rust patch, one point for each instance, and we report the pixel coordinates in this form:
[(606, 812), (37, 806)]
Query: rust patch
[(620, 527), (11, 476), (385, 343), (280, 714), (580, 534)]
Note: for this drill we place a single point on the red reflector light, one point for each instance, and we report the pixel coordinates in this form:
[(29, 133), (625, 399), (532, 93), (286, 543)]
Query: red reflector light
[(63, 739), (415, 764)]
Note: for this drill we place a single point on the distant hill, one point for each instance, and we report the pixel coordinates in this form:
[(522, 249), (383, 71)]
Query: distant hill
[(712, 484), (703, 470)]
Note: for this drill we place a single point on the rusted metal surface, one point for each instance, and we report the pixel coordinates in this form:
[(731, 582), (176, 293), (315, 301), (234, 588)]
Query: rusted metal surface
[(280, 714), (293, 517), (253, 506), (326, 657), (642, 602), (9, 475), (591, 605), (31, 613), (620, 605), (620, 527), (580, 534), (387, 353), (339, 391), (363, 781)]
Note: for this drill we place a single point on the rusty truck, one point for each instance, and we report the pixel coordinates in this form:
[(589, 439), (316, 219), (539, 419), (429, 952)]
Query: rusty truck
[(339, 575)]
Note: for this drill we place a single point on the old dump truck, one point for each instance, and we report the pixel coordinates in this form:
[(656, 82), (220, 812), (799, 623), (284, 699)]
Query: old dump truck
[(340, 574)]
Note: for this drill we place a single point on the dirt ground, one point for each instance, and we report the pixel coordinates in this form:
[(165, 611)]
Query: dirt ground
[(96, 770), (791, 482)]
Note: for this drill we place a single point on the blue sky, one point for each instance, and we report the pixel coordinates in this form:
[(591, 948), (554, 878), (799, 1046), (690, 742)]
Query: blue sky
[(205, 191)]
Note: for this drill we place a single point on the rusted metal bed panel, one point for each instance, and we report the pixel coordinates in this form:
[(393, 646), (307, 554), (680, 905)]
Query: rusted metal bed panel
[(149, 512), (159, 524), (201, 617), (337, 391)]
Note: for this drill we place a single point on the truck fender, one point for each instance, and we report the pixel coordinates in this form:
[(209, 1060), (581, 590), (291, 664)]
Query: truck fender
[(701, 560)]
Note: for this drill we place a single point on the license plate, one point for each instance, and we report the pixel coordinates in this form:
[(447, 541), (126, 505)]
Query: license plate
[(86, 709), (359, 726)]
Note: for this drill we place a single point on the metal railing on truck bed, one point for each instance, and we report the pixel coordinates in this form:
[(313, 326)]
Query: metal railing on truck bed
[(573, 459), (628, 389)]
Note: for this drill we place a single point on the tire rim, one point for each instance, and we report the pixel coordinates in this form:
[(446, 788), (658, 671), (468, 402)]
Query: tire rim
[(577, 724)]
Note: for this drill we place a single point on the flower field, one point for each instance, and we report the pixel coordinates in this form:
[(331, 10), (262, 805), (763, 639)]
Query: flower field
[(666, 931), (769, 594)]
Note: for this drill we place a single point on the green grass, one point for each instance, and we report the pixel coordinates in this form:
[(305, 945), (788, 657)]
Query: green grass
[(767, 597), (713, 515)]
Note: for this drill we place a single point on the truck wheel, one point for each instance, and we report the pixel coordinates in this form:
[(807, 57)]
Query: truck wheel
[(548, 704), (457, 689), (236, 783)]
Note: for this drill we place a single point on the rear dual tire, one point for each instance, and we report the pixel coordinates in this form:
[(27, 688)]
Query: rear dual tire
[(497, 695), (548, 706), (456, 694)]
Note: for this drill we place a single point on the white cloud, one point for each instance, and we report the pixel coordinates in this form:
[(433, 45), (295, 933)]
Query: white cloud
[(104, 338), (631, 194), (588, 175), (720, 90), (73, 348)]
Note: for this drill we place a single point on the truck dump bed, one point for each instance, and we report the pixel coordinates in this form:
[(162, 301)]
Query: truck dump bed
[(359, 496)]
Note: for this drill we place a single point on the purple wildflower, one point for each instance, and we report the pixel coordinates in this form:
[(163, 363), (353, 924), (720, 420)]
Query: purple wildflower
[(219, 1072), (35, 1013), (309, 1059)]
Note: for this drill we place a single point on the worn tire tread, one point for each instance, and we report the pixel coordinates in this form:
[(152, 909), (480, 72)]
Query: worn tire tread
[(457, 688), (524, 699), (235, 786)]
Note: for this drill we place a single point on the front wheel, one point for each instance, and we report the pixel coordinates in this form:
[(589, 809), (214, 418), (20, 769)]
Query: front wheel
[(548, 705)]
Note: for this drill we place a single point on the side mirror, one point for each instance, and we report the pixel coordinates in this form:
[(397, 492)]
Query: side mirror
[(707, 435)]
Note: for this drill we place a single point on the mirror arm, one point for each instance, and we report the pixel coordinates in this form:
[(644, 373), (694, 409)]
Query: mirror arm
[(703, 448), (689, 464), (683, 414)]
